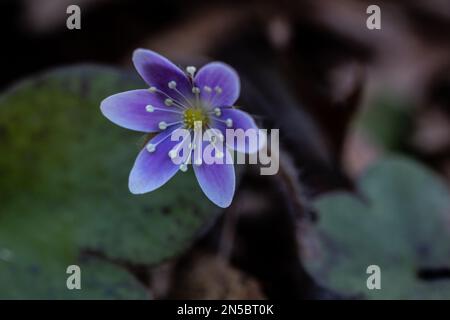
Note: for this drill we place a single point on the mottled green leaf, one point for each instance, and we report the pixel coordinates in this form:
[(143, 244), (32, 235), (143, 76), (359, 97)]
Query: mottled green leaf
[(401, 223), (64, 190)]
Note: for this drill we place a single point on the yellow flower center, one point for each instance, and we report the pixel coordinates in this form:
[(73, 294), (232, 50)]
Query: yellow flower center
[(193, 115)]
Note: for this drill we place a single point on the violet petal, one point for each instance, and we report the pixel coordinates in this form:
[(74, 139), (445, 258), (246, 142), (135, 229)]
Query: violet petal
[(158, 71), (129, 110), (217, 181), (153, 169), (240, 120), (218, 74)]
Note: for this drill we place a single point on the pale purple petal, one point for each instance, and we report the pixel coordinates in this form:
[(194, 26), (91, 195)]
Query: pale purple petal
[(240, 120), (218, 74), (153, 169), (158, 71), (128, 110), (217, 181)]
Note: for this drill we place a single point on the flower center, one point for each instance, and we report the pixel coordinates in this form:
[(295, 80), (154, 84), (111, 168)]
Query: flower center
[(192, 115)]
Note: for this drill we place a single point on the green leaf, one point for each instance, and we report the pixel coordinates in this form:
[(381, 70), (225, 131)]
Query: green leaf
[(401, 225), (64, 190)]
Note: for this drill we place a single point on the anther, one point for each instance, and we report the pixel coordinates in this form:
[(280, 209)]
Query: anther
[(149, 108), (151, 147), (168, 102), (219, 154), (152, 89), (183, 167), (217, 112), (172, 84), (162, 125), (195, 90), (191, 70), (207, 89), (229, 122), (218, 89)]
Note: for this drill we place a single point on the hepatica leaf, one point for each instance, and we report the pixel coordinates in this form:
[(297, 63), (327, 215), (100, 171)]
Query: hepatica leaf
[(64, 190), (403, 226)]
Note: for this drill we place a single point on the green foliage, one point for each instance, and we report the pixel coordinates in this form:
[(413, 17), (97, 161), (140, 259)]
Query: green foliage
[(402, 224), (64, 191)]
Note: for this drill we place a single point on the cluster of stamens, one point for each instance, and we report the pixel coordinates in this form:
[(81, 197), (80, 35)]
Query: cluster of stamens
[(192, 113)]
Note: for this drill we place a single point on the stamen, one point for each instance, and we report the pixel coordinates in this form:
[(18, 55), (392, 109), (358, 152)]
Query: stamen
[(183, 167), (191, 70), (149, 108), (228, 122), (207, 89), (212, 98), (174, 152), (212, 138), (162, 125), (174, 101), (168, 102), (151, 147), (196, 91), (152, 89), (170, 124), (217, 112), (183, 96), (172, 84)]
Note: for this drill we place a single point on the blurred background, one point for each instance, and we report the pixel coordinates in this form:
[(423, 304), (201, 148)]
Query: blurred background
[(364, 119)]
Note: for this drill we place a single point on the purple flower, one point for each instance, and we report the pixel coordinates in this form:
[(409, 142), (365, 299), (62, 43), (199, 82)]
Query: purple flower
[(177, 99)]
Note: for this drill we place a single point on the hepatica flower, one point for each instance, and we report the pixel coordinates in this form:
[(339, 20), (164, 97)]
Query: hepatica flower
[(177, 99)]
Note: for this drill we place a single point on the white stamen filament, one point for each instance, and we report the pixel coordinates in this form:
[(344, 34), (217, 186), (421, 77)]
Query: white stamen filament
[(174, 152), (228, 122), (212, 98), (151, 108), (151, 147), (212, 138), (174, 101), (163, 125)]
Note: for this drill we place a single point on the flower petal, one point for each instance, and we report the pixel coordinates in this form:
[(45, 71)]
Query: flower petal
[(153, 169), (128, 110), (217, 181), (240, 120), (218, 74), (158, 71)]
